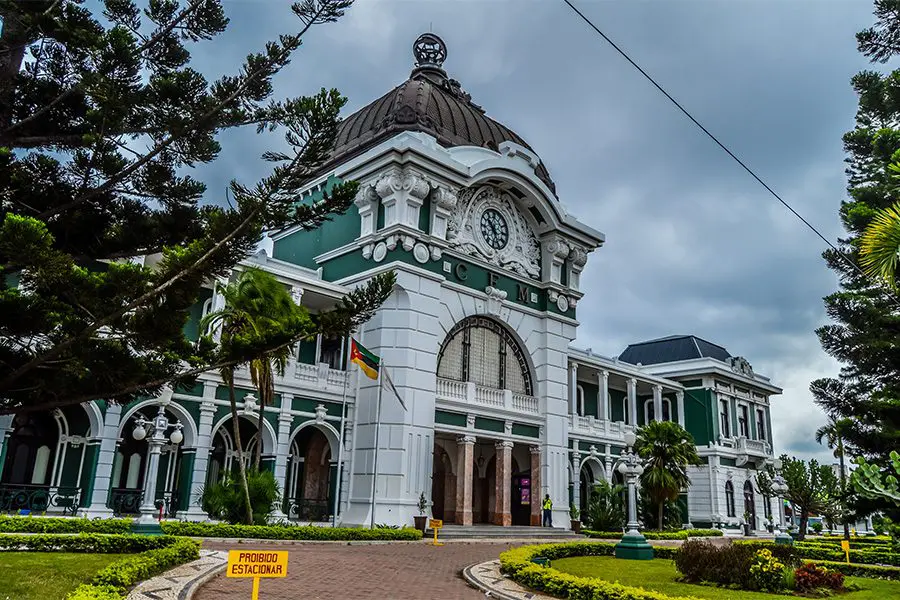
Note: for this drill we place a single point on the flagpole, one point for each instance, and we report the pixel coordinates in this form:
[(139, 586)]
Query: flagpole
[(343, 435), (375, 458)]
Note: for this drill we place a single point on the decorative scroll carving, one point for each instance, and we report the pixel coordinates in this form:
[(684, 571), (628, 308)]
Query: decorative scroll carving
[(521, 254)]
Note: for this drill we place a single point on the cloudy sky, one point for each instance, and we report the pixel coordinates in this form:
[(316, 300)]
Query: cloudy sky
[(694, 245)]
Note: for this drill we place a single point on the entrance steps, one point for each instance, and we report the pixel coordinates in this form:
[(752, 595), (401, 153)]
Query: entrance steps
[(460, 532)]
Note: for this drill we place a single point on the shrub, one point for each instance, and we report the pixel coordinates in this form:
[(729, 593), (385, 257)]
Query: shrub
[(225, 500), (605, 511), (286, 532), (699, 561), (766, 573), (682, 534), (855, 570), (95, 543), (810, 577), (817, 527), (10, 524)]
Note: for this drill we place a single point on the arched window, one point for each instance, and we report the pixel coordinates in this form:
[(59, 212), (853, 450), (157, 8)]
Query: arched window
[(729, 498), (483, 351), (649, 413), (580, 401), (667, 409)]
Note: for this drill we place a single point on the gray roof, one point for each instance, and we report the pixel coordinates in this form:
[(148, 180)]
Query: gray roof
[(429, 102), (671, 349)]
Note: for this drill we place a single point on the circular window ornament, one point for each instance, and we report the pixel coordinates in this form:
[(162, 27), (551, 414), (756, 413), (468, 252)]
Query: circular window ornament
[(494, 229), (562, 303)]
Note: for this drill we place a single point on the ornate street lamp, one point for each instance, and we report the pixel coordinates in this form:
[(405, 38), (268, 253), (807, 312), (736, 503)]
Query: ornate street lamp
[(780, 487), (633, 545), (154, 432)]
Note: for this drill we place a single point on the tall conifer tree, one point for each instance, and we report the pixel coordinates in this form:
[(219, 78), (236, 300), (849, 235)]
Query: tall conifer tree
[(865, 334), (101, 117)]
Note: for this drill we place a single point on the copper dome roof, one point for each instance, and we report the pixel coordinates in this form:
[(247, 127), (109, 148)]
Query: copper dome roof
[(429, 102)]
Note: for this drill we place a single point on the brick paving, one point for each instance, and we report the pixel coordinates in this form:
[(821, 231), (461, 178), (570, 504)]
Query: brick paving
[(398, 571)]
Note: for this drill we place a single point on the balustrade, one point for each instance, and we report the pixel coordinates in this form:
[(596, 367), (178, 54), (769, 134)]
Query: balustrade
[(470, 393)]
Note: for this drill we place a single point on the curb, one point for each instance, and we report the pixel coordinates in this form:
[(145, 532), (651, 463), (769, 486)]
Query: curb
[(477, 584), (487, 578), (182, 581)]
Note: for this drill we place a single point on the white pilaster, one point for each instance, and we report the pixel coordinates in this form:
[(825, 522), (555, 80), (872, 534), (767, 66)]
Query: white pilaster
[(657, 403), (201, 457), (573, 388), (679, 406), (105, 458), (632, 402), (283, 448), (603, 396)]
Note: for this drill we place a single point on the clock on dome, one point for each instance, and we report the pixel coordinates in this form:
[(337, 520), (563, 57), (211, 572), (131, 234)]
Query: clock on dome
[(494, 229)]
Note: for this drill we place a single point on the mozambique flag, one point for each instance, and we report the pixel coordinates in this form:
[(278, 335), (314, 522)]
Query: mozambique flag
[(367, 361)]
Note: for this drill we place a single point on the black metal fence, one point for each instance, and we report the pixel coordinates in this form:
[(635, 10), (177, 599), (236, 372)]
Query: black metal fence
[(39, 498)]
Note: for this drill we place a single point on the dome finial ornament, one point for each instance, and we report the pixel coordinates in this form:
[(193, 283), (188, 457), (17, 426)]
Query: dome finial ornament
[(429, 50)]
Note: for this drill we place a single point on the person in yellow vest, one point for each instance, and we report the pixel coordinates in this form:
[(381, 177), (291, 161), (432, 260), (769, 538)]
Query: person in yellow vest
[(548, 508)]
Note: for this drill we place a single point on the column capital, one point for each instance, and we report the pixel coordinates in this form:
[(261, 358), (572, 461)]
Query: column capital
[(534, 449), (573, 366), (503, 444), (466, 439), (657, 388), (632, 381), (604, 374), (679, 395)]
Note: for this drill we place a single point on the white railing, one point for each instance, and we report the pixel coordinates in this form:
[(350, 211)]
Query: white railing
[(318, 376), (753, 446), (598, 427), (469, 393)]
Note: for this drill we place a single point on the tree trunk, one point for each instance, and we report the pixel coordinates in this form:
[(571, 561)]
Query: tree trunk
[(804, 520), (659, 520), (843, 489), (242, 469), (14, 38)]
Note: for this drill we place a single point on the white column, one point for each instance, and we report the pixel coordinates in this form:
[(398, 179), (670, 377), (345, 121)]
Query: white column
[(603, 396), (657, 403), (573, 388), (576, 483), (218, 303), (201, 457), (105, 457), (283, 448), (679, 406), (632, 402)]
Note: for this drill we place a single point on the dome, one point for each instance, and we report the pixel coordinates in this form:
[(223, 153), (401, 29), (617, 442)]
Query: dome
[(429, 102)]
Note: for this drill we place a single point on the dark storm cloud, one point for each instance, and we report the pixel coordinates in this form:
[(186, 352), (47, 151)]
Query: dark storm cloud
[(694, 245)]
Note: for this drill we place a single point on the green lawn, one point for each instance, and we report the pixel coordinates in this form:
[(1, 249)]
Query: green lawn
[(660, 575), (47, 575)]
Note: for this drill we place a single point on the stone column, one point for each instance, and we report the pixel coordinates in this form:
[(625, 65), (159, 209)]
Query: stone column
[(283, 449), (536, 495), (573, 388), (632, 402), (105, 458), (679, 406), (465, 469), (503, 484), (657, 403), (603, 396), (576, 482), (201, 458)]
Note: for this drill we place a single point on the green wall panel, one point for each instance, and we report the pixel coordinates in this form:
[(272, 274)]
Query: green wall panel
[(185, 475), (689, 383), (449, 418), (486, 424), (91, 454), (307, 353), (728, 462), (617, 403), (526, 430), (590, 397), (425, 216), (699, 415), (192, 325), (309, 405), (301, 247)]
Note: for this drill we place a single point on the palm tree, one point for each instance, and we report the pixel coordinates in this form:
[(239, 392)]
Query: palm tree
[(833, 434), (879, 249), (667, 449)]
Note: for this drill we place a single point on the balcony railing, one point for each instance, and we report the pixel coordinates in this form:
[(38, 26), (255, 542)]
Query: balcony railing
[(598, 427), (754, 447), (318, 376), (39, 498), (469, 393)]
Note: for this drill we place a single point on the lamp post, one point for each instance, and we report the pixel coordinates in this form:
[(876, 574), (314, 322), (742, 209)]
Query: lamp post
[(154, 431), (780, 487), (633, 545)]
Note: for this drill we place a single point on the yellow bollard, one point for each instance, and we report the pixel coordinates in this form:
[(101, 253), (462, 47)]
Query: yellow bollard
[(436, 524)]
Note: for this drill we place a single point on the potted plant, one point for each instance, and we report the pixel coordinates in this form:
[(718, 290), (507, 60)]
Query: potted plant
[(420, 519), (745, 522), (573, 516)]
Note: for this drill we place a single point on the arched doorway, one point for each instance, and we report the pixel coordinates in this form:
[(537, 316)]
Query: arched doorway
[(443, 486), (749, 504), (29, 462), (312, 477)]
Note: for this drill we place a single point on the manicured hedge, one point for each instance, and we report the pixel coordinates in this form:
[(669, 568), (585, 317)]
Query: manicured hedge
[(10, 524), (112, 583), (817, 552), (517, 564), (656, 535), (881, 540), (855, 570), (287, 532), (95, 543)]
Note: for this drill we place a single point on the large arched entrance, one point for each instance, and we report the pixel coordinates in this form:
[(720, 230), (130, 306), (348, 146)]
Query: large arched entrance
[(312, 476), (443, 486)]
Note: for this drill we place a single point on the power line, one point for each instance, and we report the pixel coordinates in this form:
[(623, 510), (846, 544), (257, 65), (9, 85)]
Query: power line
[(715, 139)]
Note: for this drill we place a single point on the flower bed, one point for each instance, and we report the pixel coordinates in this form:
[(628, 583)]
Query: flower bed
[(818, 552), (682, 534)]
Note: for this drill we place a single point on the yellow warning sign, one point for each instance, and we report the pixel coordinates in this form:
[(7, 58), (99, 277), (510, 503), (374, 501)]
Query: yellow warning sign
[(845, 546), (435, 524), (256, 564)]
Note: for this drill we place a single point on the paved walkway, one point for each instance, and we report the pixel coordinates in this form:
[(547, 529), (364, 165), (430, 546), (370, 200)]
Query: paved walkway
[(371, 571)]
